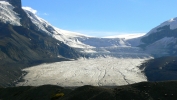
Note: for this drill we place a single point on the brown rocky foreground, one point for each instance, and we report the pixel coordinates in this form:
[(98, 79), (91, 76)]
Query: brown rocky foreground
[(141, 91)]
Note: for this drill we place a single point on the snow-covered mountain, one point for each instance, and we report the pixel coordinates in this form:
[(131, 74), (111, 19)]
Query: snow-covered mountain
[(172, 23), (22, 44), (18, 30), (89, 46), (161, 40), (26, 40), (73, 39)]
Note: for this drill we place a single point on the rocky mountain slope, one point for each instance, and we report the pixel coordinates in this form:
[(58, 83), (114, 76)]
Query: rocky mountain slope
[(27, 42), (22, 45), (161, 40), (161, 69)]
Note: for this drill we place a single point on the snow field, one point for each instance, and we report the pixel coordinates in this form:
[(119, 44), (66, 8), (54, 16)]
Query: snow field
[(98, 72)]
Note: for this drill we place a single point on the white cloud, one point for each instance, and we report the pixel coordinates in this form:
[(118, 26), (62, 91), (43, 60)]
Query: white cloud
[(30, 9), (46, 14)]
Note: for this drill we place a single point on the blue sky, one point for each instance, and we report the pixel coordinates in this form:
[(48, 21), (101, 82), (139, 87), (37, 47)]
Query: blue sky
[(104, 17)]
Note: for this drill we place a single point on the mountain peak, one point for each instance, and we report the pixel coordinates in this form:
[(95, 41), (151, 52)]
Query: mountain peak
[(172, 23)]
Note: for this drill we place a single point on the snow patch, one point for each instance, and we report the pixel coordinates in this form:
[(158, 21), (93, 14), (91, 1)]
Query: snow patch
[(70, 38), (161, 45), (172, 22), (7, 15), (127, 36), (164, 42), (30, 9)]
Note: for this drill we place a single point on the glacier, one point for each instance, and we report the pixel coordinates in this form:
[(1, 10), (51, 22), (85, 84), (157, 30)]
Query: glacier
[(106, 61), (99, 71), (83, 43)]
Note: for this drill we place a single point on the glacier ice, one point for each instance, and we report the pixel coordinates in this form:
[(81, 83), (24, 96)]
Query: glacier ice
[(96, 71)]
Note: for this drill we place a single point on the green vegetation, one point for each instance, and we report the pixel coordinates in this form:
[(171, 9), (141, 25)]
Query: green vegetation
[(56, 96)]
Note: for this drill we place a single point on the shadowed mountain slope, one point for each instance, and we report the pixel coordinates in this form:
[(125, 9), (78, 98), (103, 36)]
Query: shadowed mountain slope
[(161, 69), (23, 45)]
